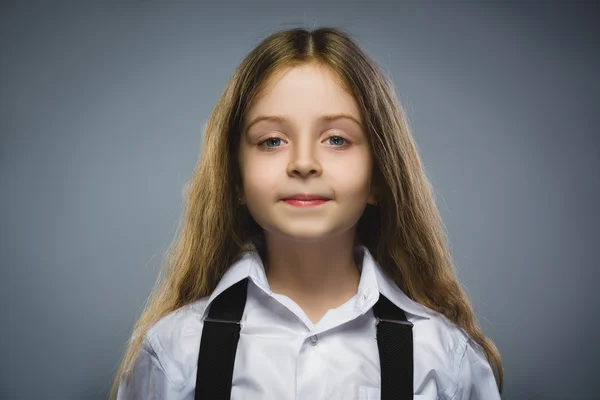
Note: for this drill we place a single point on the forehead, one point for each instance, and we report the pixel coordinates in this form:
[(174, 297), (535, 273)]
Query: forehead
[(306, 91)]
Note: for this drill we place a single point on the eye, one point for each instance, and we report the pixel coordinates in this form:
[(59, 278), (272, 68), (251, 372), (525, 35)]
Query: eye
[(274, 142), (337, 141), (271, 142)]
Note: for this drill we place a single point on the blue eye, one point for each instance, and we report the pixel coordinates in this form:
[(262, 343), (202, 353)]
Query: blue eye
[(272, 140), (337, 139)]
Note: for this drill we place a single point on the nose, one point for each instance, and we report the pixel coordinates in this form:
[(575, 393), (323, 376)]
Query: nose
[(304, 160)]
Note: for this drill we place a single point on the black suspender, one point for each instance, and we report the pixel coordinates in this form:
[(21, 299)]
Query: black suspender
[(221, 334), (395, 343), (218, 345)]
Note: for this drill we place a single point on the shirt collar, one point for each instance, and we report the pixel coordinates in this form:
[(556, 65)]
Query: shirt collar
[(373, 280)]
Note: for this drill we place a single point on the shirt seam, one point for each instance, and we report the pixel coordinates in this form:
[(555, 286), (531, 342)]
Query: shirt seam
[(154, 340), (459, 369)]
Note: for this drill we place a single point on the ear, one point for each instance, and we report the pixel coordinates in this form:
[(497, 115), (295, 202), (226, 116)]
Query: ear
[(239, 196), (373, 194)]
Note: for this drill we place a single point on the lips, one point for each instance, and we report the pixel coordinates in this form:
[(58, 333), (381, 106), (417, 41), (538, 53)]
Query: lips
[(305, 203), (306, 197)]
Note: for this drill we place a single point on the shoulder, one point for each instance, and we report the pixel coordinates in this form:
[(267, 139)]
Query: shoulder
[(458, 360), (175, 339), (438, 330)]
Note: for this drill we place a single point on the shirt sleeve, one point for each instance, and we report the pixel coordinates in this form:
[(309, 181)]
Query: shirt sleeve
[(148, 381), (476, 379)]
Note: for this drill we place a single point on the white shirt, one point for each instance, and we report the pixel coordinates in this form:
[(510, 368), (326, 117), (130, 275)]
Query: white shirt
[(282, 355)]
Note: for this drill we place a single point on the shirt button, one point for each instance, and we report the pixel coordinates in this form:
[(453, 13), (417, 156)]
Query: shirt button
[(314, 339)]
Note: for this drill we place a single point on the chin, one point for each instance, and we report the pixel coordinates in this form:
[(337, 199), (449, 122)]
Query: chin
[(306, 238), (305, 234)]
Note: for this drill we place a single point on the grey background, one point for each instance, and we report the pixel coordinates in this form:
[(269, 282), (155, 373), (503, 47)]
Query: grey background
[(101, 112)]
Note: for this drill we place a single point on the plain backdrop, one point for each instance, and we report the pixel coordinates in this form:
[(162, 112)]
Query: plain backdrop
[(101, 113)]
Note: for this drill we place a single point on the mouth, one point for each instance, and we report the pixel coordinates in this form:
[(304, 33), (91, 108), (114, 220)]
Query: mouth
[(305, 203), (306, 200)]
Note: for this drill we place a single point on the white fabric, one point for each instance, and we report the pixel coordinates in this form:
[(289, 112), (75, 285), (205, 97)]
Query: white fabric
[(281, 355)]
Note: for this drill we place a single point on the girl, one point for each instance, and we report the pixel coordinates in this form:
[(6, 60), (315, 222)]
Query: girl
[(311, 262)]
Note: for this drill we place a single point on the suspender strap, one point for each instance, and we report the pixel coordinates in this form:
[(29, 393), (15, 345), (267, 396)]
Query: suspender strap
[(221, 333), (395, 343), (218, 345)]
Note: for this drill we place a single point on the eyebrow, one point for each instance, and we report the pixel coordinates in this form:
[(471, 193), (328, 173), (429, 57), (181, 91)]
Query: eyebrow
[(326, 118)]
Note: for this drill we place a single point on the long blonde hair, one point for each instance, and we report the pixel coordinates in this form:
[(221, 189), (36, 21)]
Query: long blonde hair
[(404, 231)]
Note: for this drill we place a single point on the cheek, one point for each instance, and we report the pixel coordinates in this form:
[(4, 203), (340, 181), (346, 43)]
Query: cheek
[(259, 178), (351, 178)]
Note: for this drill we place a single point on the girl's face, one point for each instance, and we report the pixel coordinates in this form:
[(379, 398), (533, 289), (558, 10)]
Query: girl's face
[(303, 135)]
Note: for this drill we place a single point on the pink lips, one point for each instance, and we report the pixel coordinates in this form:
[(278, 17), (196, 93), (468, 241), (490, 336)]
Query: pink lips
[(305, 203), (305, 200)]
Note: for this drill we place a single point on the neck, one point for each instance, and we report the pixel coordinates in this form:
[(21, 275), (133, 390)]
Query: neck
[(317, 275)]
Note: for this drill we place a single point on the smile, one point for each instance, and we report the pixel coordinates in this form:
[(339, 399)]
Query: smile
[(305, 203)]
